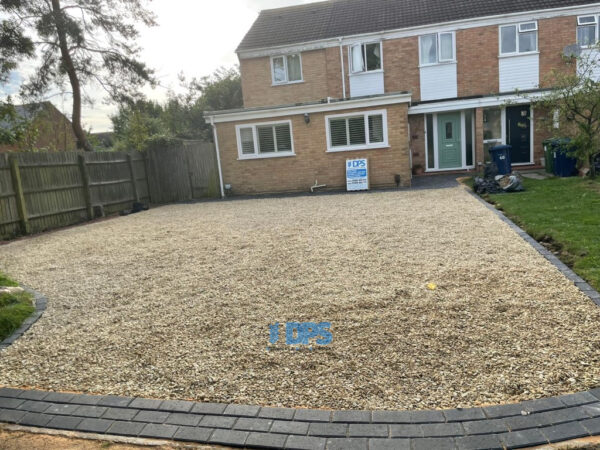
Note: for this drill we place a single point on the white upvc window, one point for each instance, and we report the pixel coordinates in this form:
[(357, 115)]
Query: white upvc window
[(587, 31), (366, 57), (357, 131), (286, 69), (265, 140), (437, 48), (518, 38)]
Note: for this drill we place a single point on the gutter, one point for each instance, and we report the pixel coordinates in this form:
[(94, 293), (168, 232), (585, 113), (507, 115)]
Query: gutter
[(216, 138)]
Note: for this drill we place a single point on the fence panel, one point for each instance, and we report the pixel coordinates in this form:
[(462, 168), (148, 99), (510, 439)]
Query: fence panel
[(203, 170), (9, 216)]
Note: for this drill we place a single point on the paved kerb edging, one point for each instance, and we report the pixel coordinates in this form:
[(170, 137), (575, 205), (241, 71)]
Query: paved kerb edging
[(40, 306)]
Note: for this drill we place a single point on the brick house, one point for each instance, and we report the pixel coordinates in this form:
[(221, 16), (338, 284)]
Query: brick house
[(53, 130), (406, 84)]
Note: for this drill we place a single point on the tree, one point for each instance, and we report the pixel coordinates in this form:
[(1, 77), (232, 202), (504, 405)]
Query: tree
[(575, 102), (15, 129), (82, 41)]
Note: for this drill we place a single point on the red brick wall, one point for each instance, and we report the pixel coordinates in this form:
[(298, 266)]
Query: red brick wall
[(554, 35), (311, 162), (401, 66), (477, 61)]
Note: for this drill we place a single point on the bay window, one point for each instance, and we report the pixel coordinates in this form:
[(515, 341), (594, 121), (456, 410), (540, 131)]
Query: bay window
[(519, 38), (587, 31), (265, 140), (286, 69), (437, 48), (359, 131), (365, 57)]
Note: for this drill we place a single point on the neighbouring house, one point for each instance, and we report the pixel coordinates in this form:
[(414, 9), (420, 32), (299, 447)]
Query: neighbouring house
[(429, 84), (49, 130)]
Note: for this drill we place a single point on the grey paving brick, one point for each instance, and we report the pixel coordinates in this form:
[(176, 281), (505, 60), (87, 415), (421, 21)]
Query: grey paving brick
[(406, 431), (85, 399), (460, 415), (209, 408), (64, 422), (389, 444), (592, 425), (391, 417), (229, 437), (312, 415), (542, 404), (442, 429), (94, 425), (145, 403), (193, 434), (114, 400), (561, 416), (151, 416), (90, 411), (288, 427), (499, 411), (35, 419), (524, 438), (11, 415), (427, 416), (277, 413), (368, 430), (592, 409), (241, 410), (217, 421), (595, 393), (564, 432), (156, 430), (351, 416), (10, 392), (347, 444), (120, 413), (488, 441), (33, 394), (176, 405), (34, 406), (522, 422), (58, 397), (253, 424), (265, 440), (580, 398), (305, 443), (489, 426), (11, 403), (126, 428), (433, 443), (328, 429), (190, 420), (62, 409)]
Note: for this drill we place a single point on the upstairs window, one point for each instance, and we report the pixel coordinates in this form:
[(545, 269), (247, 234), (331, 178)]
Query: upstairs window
[(365, 57), (437, 48), (587, 31), (265, 140), (286, 69), (520, 38), (357, 131)]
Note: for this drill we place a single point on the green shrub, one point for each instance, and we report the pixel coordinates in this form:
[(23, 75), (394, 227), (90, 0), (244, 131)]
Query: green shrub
[(5, 281)]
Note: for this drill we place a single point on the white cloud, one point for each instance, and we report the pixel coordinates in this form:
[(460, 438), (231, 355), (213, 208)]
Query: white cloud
[(194, 37)]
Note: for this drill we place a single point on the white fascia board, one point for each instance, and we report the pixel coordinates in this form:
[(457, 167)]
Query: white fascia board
[(483, 102), (423, 29), (304, 109)]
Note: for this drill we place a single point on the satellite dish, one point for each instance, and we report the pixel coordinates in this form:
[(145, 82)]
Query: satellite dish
[(572, 51)]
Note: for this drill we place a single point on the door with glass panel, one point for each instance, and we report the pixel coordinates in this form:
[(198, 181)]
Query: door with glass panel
[(518, 133), (449, 141)]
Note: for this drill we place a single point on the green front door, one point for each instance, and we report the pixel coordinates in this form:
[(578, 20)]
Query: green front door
[(449, 143)]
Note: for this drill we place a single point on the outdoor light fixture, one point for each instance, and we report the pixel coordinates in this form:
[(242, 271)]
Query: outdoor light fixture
[(307, 118)]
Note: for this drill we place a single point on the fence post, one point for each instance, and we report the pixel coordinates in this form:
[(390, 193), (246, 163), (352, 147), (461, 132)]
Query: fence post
[(19, 195), (136, 194), (147, 170), (87, 195)]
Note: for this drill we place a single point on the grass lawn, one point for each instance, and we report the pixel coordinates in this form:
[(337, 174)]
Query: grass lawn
[(564, 214), (14, 308)]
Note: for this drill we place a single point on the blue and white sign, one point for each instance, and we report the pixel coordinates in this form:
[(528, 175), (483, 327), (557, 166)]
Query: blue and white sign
[(357, 174)]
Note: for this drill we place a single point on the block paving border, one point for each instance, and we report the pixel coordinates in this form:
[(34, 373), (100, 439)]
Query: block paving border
[(526, 424), (40, 306)]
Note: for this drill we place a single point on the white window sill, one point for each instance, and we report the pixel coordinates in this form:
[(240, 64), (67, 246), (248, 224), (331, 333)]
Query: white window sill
[(443, 63), (366, 72), (379, 146), (514, 55), (287, 83), (266, 156)]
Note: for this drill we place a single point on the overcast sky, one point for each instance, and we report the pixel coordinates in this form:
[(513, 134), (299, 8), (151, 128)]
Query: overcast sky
[(194, 37)]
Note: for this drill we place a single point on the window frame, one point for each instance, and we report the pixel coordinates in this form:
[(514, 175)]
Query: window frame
[(257, 154), (596, 23), (285, 65), (438, 43), (369, 145), (363, 46), (517, 27)]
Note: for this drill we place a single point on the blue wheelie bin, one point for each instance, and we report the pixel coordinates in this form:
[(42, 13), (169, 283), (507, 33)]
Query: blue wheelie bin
[(501, 156), (564, 165)]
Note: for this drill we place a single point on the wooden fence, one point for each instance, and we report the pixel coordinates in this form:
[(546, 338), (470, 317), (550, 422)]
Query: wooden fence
[(42, 191)]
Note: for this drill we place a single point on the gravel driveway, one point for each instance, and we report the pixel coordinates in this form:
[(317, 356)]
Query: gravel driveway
[(176, 303)]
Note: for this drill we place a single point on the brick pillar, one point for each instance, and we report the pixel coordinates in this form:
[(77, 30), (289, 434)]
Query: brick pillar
[(479, 155)]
